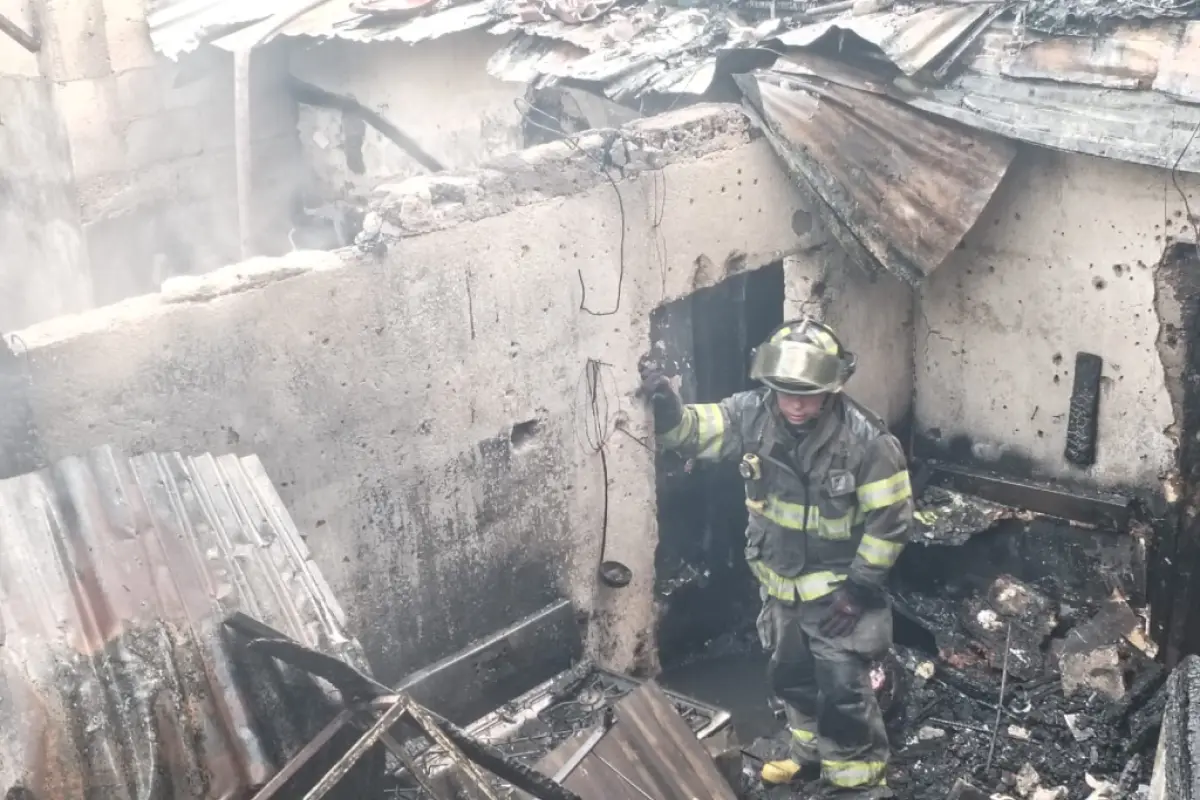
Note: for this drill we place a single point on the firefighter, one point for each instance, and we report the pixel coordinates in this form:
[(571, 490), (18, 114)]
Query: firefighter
[(830, 505)]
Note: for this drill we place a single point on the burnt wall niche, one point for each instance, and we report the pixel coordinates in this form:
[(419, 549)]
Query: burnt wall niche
[(701, 576), (1174, 559)]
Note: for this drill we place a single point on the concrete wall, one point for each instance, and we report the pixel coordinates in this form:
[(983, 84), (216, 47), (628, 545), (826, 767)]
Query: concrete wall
[(43, 264), (151, 146), (422, 410), (872, 315), (1063, 260)]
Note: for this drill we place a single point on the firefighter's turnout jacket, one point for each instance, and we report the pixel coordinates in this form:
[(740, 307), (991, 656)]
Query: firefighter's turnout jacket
[(834, 503)]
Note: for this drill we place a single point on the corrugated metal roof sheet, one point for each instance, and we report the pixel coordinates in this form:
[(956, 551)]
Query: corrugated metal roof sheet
[(896, 188), (119, 679), (912, 39), (1091, 96), (180, 26), (1082, 16)]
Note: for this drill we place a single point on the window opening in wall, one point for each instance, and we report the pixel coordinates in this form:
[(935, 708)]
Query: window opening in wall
[(706, 588)]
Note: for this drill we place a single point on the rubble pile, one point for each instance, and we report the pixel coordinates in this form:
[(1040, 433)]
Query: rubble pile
[(1078, 717)]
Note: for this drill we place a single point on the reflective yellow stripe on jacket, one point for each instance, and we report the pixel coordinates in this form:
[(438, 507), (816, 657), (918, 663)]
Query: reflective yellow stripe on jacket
[(813, 586), (875, 496), (706, 423), (791, 516), (881, 494)]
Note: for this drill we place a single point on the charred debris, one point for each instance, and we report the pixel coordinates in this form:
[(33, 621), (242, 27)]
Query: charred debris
[(1023, 666)]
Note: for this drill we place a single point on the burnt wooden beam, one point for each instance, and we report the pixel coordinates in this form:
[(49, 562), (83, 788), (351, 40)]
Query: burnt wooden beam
[(1104, 510), (311, 95)]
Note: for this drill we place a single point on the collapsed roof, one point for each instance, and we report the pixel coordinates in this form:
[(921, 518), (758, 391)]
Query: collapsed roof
[(953, 81)]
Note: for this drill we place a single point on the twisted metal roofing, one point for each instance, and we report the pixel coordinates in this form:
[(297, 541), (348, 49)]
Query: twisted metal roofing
[(118, 678)]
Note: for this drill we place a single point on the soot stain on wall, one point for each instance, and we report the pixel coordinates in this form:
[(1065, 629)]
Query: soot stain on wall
[(492, 544)]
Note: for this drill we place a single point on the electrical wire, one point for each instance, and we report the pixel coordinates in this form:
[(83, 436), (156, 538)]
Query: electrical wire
[(605, 166), (597, 427)]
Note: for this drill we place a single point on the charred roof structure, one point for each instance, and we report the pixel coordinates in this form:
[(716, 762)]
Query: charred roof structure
[(119, 677), (928, 90)]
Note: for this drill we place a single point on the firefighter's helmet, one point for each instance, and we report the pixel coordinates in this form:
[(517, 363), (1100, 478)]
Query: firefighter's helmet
[(803, 357)]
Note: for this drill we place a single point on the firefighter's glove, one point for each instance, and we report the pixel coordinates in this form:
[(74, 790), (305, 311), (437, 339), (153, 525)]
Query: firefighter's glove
[(844, 613), (656, 388)]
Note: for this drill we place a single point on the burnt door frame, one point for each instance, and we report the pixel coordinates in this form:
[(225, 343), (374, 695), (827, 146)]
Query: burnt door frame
[(701, 577)]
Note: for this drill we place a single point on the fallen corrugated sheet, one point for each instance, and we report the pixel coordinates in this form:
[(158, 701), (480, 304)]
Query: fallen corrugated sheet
[(1088, 95), (897, 189), (1082, 16), (649, 752), (180, 26), (119, 678)]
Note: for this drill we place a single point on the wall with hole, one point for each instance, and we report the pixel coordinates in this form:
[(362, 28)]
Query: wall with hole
[(428, 413), (1064, 261)]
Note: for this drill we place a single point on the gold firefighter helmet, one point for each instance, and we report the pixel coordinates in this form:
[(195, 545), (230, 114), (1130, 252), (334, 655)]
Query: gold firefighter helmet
[(803, 357)]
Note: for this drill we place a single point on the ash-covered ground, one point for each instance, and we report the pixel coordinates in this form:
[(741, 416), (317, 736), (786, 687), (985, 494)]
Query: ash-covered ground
[(990, 596)]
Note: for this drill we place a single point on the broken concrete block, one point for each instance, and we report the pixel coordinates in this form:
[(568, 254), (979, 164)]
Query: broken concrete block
[(1077, 728), (1017, 732), (1093, 671), (1101, 789)]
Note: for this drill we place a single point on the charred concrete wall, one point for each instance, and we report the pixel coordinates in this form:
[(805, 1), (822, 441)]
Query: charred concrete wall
[(428, 410), (1066, 259)]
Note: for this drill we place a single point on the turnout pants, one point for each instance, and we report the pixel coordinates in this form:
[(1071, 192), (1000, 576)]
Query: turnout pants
[(825, 684)]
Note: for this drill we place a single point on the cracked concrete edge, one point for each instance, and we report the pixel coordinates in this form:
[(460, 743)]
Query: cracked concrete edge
[(181, 291), (428, 203)]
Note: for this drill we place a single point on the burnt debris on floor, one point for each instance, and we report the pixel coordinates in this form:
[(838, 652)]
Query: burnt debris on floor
[(1022, 667)]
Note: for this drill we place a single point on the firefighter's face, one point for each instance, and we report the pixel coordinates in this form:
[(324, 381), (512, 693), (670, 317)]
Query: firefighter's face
[(799, 409)]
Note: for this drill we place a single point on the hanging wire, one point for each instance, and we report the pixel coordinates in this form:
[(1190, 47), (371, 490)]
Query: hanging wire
[(595, 419), (603, 162)]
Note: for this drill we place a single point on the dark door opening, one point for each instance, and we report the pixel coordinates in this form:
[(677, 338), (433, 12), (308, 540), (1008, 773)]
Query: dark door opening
[(701, 575)]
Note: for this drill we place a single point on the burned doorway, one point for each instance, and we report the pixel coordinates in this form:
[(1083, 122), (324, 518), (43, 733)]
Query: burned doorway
[(702, 579)]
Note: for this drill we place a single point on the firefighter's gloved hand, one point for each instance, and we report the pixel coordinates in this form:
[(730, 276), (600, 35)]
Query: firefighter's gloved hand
[(844, 613), (656, 387)]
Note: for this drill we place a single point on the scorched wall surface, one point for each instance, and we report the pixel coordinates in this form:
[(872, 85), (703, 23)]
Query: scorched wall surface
[(423, 413), (1064, 259)]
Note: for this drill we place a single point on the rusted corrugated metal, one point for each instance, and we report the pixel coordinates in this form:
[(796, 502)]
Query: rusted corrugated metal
[(897, 189), (1089, 96), (911, 38), (119, 679)]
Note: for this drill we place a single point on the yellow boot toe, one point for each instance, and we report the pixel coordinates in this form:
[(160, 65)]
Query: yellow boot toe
[(775, 773)]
